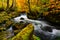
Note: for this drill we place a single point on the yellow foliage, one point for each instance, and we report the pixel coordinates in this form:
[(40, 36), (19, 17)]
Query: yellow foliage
[(4, 3)]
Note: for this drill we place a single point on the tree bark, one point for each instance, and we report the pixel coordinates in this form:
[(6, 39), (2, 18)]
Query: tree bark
[(13, 5), (29, 6), (7, 4), (2, 3)]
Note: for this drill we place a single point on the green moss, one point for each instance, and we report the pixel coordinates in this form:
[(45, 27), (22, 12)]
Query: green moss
[(25, 34)]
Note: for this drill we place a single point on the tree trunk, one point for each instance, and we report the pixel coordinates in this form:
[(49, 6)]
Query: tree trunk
[(29, 6), (2, 2), (14, 3), (7, 3), (13, 6)]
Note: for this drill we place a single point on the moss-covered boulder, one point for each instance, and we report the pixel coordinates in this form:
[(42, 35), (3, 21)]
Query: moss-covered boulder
[(26, 34)]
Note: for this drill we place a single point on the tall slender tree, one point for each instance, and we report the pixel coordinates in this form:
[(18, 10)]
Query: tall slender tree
[(13, 3), (2, 7), (2, 2), (7, 4), (13, 6), (29, 6)]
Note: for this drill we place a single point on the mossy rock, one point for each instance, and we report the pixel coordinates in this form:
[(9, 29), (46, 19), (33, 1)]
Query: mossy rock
[(26, 34)]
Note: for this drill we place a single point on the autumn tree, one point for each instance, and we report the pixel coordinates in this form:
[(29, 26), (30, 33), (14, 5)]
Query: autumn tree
[(2, 1), (7, 8), (29, 6), (13, 6), (13, 3), (2, 8)]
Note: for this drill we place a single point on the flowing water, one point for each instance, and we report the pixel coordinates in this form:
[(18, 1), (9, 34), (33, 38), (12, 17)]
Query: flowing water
[(37, 27)]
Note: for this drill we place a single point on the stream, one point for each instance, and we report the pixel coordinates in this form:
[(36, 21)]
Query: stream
[(38, 24)]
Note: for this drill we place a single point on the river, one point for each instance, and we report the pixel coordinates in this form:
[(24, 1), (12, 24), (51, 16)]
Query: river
[(39, 23), (37, 27)]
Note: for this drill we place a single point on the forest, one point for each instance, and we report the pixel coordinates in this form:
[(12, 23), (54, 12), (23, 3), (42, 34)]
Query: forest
[(47, 10)]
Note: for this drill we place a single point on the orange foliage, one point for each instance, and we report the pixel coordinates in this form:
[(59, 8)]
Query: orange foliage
[(52, 0), (21, 4)]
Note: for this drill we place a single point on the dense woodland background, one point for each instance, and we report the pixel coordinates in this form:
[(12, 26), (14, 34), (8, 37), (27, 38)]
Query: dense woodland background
[(22, 5), (34, 9)]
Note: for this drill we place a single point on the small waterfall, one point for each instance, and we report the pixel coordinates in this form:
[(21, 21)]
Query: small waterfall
[(37, 27)]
